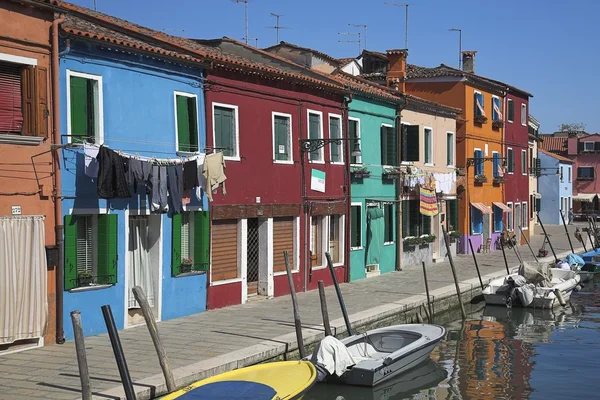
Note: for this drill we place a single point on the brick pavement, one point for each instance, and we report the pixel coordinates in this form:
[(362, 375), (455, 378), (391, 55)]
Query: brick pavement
[(234, 336)]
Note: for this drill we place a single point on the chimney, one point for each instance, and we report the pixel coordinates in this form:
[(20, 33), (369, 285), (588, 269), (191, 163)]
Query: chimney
[(468, 61), (396, 71)]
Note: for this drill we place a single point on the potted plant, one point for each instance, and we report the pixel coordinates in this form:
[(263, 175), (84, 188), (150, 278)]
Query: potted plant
[(186, 264), (499, 179), (85, 278), (390, 173), (360, 172), (410, 242), (480, 178), (480, 119), (497, 124), (426, 239), (453, 236)]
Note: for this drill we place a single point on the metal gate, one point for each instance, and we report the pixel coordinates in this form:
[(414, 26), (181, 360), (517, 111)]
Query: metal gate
[(252, 256)]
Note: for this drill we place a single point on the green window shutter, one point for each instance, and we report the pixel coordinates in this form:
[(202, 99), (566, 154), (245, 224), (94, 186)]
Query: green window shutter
[(405, 217), (70, 252), (384, 146), (224, 130), (183, 123), (412, 143), (79, 98), (282, 147), (107, 248), (392, 146), (355, 231), (389, 223), (352, 134), (176, 244), (313, 133), (425, 224), (193, 123), (201, 241), (427, 139), (334, 133), (415, 218)]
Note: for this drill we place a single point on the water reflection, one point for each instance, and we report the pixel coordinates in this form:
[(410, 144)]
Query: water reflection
[(502, 353)]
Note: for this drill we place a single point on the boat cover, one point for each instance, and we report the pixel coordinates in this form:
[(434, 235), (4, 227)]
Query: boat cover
[(243, 390), (575, 261), (333, 355), (536, 273)]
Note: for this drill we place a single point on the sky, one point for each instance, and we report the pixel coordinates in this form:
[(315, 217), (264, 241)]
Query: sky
[(548, 48)]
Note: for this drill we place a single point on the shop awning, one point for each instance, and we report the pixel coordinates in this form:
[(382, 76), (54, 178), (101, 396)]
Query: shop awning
[(482, 207), (587, 197), (502, 206)]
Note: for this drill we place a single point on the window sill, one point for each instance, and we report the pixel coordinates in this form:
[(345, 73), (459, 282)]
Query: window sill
[(89, 288), (187, 153), (19, 139), (325, 266), (291, 162), (476, 234), (388, 243), (356, 248), (428, 165), (191, 273), (225, 282), (294, 271), (316, 162), (337, 163)]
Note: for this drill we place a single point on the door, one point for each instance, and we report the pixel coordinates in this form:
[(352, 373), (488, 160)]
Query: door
[(518, 222), (252, 256), (143, 264)]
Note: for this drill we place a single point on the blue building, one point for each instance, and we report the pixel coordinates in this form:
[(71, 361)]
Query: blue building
[(144, 103), (555, 184)]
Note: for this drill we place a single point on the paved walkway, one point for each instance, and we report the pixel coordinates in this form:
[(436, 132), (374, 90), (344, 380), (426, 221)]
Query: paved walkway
[(219, 340)]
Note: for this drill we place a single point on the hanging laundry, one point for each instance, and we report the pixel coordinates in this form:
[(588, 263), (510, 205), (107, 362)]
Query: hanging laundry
[(112, 180), (186, 199), (175, 186), (90, 153), (428, 204), (190, 175), (159, 201), (201, 180), (214, 173), (139, 172)]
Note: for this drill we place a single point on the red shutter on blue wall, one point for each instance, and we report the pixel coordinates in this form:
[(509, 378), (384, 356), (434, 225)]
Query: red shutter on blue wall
[(11, 108)]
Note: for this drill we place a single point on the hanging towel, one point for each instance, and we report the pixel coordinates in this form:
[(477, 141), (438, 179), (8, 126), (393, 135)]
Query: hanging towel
[(139, 172), (112, 180), (201, 187), (175, 186), (91, 162), (190, 175), (214, 173), (159, 202)]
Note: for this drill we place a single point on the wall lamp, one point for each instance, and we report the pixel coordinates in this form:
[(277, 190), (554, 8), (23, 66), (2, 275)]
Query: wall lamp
[(310, 145)]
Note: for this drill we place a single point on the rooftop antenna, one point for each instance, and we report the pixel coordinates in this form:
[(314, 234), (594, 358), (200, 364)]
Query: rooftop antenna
[(351, 41), (245, 16), (255, 41), (365, 28), (94, 5), (406, 29), (459, 45), (277, 27)]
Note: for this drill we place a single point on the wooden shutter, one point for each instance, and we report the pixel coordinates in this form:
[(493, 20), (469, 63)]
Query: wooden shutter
[(281, 138), (183, 123), (42, 102), (224, 130), (412, 142), (389, 223), (475, 100), (314, 128), (427, 143), (355, 224), (352, 134), (384, 146), (389, 146), (28, 99), (107, 248), (70, 252), (317, 241), (283, 239), (79, 109), (193, 123), (511, 110), (538, 167), (414, 214), (11, 107), (334, 133), (176, 244), (224, 249), (202, 241)]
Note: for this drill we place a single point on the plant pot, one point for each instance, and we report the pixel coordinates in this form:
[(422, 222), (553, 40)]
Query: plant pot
[(85, 280), (480, 179), (409, 247), (480, 119), (186, 268), (497, 124), (499, 179)]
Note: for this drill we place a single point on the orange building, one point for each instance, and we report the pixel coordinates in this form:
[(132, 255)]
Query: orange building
[(479, 154)]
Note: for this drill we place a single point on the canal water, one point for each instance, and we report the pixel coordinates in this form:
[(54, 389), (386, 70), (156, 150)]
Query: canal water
[(501, 353)]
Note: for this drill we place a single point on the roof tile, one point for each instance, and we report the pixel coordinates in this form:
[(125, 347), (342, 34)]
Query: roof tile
[(556, 145)]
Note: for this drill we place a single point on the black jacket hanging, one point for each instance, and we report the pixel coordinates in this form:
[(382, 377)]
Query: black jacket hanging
[(112, 181)]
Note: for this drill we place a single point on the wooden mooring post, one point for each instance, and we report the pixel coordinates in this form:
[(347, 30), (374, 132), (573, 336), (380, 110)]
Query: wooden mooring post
[(339, 293), (504, 256), (567, 232), (140, 297), (324, 311), (547, 238), (429, 306), (460, 302), (529, 245), (84, 373), (476, 265), (297, 322)]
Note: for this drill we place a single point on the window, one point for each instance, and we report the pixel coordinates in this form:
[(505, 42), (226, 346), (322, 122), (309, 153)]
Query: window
[(356, 226), (531, 162), (316, 241), (450, 149), (496, 164), (569, 173), (452, 215), (479, 104), (511, 111), (476, 221), (84, 98), (585, 173), (498, 215), (511, 160), (509, 217), (389, 146), (190, 242), (524, 114), (354, 134), (388, 230), (524, 162), (561, 174), (524, 213), (315, 131), (24, 98), (282, 138), (336, 232), (284, 234), (90, 250), (588, 146), (186, 117), (226, 130), (479, 167), (413, 222), (497, 109), (532, 208), (410, 143), (428, 145), (335, 132)]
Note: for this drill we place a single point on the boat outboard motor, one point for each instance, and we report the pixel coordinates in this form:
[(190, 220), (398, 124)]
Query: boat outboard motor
[(512, 296)]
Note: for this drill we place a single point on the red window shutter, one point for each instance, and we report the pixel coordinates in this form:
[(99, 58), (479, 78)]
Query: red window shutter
[(11, 111), (29, 102)]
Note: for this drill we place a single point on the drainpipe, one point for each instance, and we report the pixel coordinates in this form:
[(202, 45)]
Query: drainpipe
[(348, 185), (399, 216), (59, 227)]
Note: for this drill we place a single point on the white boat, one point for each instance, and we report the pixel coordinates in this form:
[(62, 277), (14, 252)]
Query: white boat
[(564, 281), (380, 354)]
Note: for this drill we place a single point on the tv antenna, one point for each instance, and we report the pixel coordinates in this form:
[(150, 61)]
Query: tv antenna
[(351, 41), (406, 27), (255, 41), (365, 28), (245, 16), (95, 5), (277, 27)]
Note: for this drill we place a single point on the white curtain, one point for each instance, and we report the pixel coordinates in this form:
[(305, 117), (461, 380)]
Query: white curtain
[(139, 272), (23, 279)]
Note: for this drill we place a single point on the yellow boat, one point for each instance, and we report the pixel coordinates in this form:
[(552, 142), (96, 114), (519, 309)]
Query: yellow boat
[(283, 380)]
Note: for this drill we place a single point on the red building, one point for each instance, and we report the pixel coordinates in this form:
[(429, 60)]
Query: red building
[(257, 120), (516, 153)]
